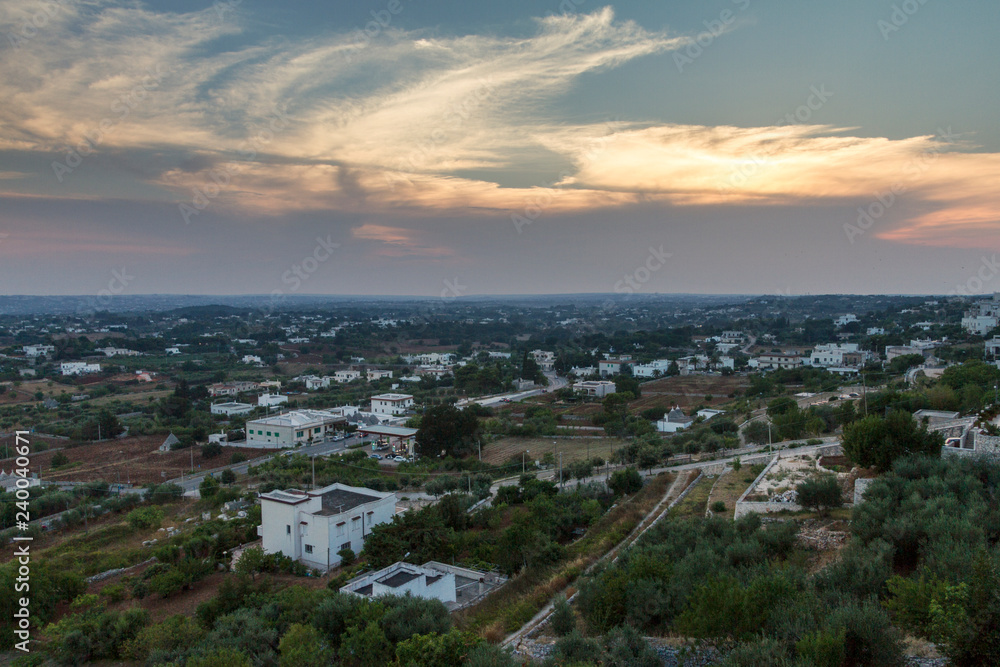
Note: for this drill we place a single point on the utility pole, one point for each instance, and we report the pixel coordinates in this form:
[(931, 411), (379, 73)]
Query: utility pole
[(864, 393), (192, 457), (314, 471), (560, 470)]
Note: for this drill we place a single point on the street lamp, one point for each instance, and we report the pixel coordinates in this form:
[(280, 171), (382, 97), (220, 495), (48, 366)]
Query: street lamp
[(527, 451)]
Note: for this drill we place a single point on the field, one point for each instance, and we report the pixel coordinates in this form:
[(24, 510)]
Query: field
[(687, 391), (135, 459), (732, 485), (572, 449)]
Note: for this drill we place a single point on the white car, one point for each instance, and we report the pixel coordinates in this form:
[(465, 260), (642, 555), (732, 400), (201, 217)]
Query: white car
[(400, 459)]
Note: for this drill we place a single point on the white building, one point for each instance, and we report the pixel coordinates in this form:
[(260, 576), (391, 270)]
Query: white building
[(993, 348), (312, 526), (708, 413), (777, 360), (545, 359), (378, 374), (38, 350), (402, 578), (876, 331), (346, 376), (252, 359), (613, 366), (391, 404), (983, 317), (839, 355), (844, 320), (270, 400), (652, 369), (674, 421), (230, 408), (230, 388), (118, 352), (78, 368), (597, 388), (293, 428)]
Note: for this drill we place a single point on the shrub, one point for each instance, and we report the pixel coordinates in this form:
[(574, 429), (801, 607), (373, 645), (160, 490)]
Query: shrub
[(145, 517), (718, 507), (563, 621), (211, 450), (346, 556), (820, 494), (114, 593), (60, 459)]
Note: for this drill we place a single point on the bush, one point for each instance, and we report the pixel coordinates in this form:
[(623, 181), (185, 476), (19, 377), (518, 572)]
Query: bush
[(718, 507), (145, 517), (211, 450), (114, 593), (563, 621), (237, 457), (625, 481), (346, 556), (60, 459), (820, 494)]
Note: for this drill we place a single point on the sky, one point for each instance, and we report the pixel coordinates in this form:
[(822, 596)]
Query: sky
[(446, 148)]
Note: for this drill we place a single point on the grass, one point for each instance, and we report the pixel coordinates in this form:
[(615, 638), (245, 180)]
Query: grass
[(513, 605), (572, 449), (731, 486), (695, 501)]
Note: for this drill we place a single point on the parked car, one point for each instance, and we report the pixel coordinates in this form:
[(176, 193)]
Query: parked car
[(399, 458), (377, 457)]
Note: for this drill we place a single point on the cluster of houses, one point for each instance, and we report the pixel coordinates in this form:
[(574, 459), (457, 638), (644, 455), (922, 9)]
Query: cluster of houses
[(983, 316), (318, 528)]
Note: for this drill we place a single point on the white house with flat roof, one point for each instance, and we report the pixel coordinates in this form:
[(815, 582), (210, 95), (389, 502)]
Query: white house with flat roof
[(391, 404), (271, 399), (312, 526), (78, 368), (292, 428), (230, 408), (38, 350), (596, 388), (377, 374)]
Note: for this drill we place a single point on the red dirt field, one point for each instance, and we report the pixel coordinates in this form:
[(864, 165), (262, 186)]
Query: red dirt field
[(135, 459)]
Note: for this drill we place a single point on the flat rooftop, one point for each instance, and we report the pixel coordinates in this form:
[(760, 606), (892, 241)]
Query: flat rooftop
[(340, 500), (399, 578)]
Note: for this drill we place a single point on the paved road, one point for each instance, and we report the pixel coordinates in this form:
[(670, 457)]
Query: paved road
[(191, 482)]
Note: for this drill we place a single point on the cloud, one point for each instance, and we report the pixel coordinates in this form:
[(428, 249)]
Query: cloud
[(398, 242), (328, 123)]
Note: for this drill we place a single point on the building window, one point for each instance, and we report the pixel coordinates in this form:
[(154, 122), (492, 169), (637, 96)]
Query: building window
[(288, 530), (269, 434), (298, 434), (316, 430), (309, 548)]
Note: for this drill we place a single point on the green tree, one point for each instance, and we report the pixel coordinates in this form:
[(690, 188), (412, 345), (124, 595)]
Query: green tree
[(227, 477), (208, 487), (820, 493), (756, 433), (563, 621), (875, 442), (436, 650), (365, 647), (625, 481), (304, 646), (445, 428), (251, 562)]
